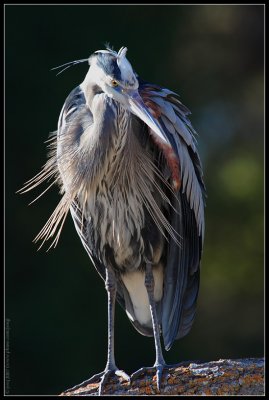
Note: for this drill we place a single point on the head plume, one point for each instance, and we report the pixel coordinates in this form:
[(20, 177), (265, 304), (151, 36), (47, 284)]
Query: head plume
[(125, 67)]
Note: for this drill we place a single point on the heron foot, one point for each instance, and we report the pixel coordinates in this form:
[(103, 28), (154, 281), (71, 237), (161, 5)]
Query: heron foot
[(108, 373), (103, 378), (157, 369)]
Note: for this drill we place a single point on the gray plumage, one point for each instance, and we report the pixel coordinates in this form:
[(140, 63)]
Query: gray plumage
[(126, 160)]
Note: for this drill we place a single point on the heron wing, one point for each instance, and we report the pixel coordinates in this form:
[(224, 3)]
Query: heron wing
[(75, 116), (84, 233), (186, 214)]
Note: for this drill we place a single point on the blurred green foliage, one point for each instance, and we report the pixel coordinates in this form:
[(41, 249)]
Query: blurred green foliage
[(213, 57)]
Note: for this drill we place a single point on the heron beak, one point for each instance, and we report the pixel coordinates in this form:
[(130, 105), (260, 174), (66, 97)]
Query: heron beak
[(139, 108)]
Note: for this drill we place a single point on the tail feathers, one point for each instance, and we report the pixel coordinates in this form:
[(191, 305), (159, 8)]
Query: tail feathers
[(186, 312), (189, 306)]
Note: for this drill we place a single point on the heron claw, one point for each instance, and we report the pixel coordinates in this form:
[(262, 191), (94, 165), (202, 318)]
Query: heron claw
[(103, 378), (157, 368), (159, 372), (108, 373)]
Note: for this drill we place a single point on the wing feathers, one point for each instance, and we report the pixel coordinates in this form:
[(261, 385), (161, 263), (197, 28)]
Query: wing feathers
[(186, 216)]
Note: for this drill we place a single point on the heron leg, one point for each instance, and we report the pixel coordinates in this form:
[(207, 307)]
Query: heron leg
[(159, 363), (149, 283), (111, 368)]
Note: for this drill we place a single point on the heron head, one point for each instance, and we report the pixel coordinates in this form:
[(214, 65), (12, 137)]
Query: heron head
[(112, 72), (114, 75)]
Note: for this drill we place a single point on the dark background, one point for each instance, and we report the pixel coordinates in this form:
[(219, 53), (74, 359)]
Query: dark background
[(55, 302)]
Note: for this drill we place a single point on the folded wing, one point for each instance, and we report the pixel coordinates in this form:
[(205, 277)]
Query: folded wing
[(186, 215)]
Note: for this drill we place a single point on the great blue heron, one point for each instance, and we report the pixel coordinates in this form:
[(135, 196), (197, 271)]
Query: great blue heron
[(125, 157)]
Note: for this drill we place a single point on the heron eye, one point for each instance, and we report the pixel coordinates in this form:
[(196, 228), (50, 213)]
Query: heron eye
[(114, 83)]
